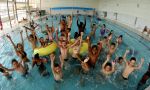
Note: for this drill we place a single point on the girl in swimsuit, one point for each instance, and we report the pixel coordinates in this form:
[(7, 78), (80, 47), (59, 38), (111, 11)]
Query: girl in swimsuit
[(19, 49)]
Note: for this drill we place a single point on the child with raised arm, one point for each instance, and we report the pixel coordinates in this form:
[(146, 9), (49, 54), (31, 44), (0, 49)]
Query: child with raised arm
[(17, 66), (81, 26), (93, 28), (107, 67), (93, 52), (112, 48), (56, 69), (32, 39), (130, 66), (69, 22), (76, 46), (19, 49), (50, 33)]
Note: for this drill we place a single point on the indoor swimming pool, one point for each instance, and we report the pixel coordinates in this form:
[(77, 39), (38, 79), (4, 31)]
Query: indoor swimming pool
[(74, 80)]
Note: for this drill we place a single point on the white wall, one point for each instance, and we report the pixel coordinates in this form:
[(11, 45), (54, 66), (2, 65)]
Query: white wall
[(46, 4), (128, 7), (127, 11)]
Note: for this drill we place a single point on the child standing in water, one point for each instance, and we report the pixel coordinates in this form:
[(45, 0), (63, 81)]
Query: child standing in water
[(130, 66), (39, 62), (112, 47), (93, 53), (32, 39), (120, 39), (76, 46), (103, 30), (56, 69), (17, 66), (69, 22), (107, 67), (19, 49), (81, 26)]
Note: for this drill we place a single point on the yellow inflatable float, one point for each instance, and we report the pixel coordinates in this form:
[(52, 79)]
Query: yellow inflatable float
[(83, 49), (43, 51)]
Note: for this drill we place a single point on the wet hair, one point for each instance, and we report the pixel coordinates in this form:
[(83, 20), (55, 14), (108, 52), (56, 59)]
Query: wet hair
[(31, 36), (63, 20), (94, 46), (36, 56), (133, 58), (56, 65), (62, 34), (108, 64), (111, 31), (18, 44), (104, 25), (41, 37), (113, 44), (14, 60), (120, 58), (94, 24), (121, 36), (105, 37), (81, 23), (110, 34), (76, 35), (69, 29)]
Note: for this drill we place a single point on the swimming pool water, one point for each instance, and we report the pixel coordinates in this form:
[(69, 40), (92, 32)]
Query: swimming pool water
[(73, 80)]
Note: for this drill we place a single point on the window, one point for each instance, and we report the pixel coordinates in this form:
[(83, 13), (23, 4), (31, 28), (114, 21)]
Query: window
[(20, 0)]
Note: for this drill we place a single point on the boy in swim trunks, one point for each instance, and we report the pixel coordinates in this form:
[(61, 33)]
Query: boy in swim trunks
[(107, 67), (62, 26), (56, 69), (130, 66), (17, 66), (43, 42), (50, 33), (5, 72), (120, 39), (76, 46), (93, 53), (81, 26), (69, 22), (63, 50), (32, 39), (112, 48)]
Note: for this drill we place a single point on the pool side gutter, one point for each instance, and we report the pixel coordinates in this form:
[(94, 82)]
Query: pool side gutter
[(129, 28)]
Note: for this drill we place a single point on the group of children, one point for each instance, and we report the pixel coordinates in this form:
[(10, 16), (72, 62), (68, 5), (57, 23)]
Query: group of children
[(87, 62)]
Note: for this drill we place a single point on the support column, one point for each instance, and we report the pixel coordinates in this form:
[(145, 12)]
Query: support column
[(9, 14), (16, 10)]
